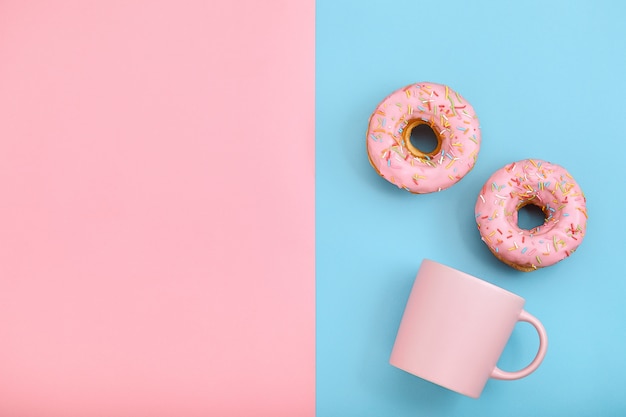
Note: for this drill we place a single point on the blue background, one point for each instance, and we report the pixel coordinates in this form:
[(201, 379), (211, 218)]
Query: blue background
[(547, 80)]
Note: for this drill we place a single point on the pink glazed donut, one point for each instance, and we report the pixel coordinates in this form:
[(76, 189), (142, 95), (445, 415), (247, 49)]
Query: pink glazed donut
[(454, 123), (545, 185)]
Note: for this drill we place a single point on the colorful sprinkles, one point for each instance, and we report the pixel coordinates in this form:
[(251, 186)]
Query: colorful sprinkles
[(546, 185), (451, 118)]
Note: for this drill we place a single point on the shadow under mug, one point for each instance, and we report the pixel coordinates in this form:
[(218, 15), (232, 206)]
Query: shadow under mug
[(455, 327)]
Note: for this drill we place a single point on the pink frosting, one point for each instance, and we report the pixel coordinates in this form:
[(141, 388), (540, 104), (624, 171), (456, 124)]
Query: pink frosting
[(452, 119), (545, 185)]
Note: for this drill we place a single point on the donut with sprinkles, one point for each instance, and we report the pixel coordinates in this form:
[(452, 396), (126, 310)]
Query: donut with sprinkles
[(451, 118), (543, 184)]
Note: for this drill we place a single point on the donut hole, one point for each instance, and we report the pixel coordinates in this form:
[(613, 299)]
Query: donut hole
[(530, 216), (421, 139), (424, 139)]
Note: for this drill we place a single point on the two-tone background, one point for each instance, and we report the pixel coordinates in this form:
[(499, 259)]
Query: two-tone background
[(189, 224)]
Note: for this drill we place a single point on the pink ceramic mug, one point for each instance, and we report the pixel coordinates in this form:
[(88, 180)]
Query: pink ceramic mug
[(455, 327)]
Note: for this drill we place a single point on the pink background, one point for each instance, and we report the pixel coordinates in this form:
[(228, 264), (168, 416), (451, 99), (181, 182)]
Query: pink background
[(157, 208)]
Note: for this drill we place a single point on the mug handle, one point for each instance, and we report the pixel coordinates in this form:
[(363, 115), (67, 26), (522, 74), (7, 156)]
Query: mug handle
[(541, 353)]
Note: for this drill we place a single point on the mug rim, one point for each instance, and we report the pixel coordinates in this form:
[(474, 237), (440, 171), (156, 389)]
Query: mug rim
[(475, 279)]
